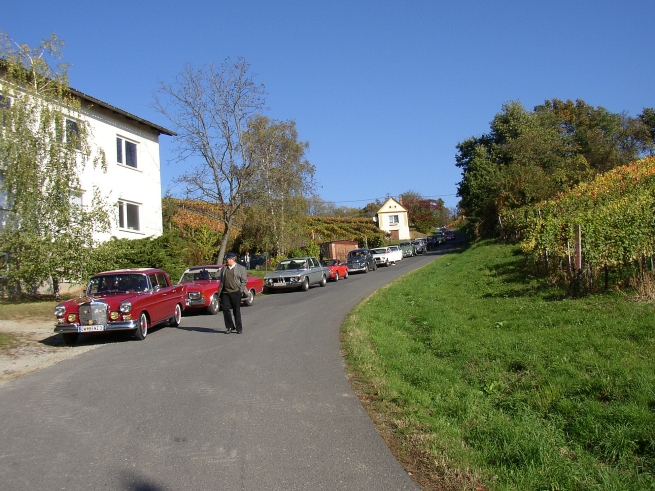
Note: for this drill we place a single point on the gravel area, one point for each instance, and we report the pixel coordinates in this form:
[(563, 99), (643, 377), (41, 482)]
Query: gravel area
[(39, 347)]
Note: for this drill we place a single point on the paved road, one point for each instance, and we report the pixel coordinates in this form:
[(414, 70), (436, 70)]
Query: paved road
[(191, 408)]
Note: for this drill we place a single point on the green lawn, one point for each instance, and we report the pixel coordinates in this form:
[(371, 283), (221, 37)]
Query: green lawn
[(488, 379)]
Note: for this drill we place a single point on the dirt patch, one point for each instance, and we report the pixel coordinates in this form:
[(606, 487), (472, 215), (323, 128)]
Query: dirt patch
[(38, 347)]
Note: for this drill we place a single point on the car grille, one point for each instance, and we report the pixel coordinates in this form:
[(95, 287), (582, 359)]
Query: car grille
[(93, 313)]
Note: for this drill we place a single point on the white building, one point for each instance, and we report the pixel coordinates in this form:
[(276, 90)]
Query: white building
[(133, 178), (392, 218)]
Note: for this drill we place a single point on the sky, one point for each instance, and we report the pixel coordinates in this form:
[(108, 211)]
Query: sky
[(382, 91)]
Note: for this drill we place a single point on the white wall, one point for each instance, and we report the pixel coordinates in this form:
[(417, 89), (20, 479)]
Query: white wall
[(140, 186)]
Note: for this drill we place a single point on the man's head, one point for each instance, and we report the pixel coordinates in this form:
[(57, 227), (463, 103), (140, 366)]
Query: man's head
[(231, 258)]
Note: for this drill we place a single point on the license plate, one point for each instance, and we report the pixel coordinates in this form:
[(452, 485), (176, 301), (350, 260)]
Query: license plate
[(90, 328), (279, 284)]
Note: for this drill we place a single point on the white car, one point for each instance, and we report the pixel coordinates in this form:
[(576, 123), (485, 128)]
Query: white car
[(383, 256), (396, 253)]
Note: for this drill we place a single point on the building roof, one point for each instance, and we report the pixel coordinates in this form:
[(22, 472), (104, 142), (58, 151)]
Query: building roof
[(116, 110), (391, 206)]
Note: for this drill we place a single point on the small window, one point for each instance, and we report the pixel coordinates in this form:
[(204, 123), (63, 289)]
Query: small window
[(126, 152), (73, 133), (161, 280), (393, 219), (128, 215)]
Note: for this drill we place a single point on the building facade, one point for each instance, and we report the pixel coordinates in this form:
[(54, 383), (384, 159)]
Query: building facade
[(392, 218)]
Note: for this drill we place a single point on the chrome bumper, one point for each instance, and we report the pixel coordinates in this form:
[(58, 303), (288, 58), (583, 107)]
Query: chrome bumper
[(114, 326)]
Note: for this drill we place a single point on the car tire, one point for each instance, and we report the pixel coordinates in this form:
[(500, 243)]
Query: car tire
[(142, 329), (70, 338), (366, 268), (214, 305), (267, 290), (323, 281), (250, 299), (386, 263), (345, 277), (336, 276), (375, 267), (177, 316), (305, 285)]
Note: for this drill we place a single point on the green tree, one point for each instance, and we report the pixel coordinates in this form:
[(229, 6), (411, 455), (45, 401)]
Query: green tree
[(281, 180), (46, 232)]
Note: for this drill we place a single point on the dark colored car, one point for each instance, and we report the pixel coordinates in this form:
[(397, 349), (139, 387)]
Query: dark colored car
[(361, 260), (255, 261), (122, 300), (202, 283)]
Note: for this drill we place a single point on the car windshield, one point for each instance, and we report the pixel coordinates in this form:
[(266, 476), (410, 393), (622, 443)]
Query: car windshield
[(355, 254), (291, 264), (117, 283), (330, 262), (378, 251), (200, 274)]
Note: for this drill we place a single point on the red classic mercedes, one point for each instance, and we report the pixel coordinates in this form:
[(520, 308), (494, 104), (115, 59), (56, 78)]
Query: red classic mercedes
[(124, 300), (201, 283)]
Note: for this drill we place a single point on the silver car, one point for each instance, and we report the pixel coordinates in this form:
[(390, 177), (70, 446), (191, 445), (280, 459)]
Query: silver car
[(296, 273)]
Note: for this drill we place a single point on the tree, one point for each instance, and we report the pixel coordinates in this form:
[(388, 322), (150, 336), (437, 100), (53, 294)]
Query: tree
[(47, 232), (281, 180), (210, 109), (423, 214)]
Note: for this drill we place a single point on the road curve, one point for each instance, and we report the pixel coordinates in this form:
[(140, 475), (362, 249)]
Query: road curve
[(192, 408)]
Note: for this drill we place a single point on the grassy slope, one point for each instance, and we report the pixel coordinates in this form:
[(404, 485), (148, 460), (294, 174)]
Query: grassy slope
[(486, 378)]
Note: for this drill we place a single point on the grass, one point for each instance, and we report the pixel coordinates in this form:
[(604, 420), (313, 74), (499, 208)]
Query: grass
[(32, 308), (484, 378)]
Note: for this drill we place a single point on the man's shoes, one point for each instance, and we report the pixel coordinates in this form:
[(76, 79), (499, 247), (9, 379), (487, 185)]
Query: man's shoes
[(228, 330), (238, 332)]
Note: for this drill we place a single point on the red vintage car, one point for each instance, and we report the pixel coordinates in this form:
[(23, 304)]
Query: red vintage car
[(123, 300), (201, 283), (337, 269)]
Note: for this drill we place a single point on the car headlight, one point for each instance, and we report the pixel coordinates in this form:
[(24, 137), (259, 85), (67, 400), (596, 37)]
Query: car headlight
[(60, 310), (125, 306), (194, 295)]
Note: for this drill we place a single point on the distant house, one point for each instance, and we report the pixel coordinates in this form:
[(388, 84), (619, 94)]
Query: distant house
[(392, 218), (133, 179), (338, 249)]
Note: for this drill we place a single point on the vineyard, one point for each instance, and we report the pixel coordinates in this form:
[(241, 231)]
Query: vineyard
[(363, 230), (616, 216)]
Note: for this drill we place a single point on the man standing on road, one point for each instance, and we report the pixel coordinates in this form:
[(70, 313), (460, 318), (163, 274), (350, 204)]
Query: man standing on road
[(233, 279)]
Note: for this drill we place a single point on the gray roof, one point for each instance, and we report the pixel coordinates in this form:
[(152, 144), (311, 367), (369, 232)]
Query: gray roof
[(114, 109)]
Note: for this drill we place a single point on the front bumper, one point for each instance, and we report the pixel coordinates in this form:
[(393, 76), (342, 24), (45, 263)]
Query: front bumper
[(112, 326), (357, 267)]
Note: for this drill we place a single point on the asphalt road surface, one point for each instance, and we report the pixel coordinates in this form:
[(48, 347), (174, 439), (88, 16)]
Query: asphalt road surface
[(192, 408)]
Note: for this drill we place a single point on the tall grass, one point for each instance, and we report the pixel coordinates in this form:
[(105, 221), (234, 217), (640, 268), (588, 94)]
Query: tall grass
[(495, 381)]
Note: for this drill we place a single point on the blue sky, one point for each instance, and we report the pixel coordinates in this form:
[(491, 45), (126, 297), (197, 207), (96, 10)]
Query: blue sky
[(382, 91)]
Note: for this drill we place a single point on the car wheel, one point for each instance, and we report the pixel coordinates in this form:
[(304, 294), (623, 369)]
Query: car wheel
[(142, 329), (366, 268), (214, 305), (345, 276), (375, 267), (386, 263), (336, 276), (323, 281), (70, 338), (177, 316), (305, 285), (250, 299)]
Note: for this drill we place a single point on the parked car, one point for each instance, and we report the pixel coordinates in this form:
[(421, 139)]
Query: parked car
[(202, 283), (361, 260), (409, 249), (396, 253), (439, 238), (296, 272), (336, 268), (122, 300), (450, 235), (421, 246), (256, 261), (382, 256)]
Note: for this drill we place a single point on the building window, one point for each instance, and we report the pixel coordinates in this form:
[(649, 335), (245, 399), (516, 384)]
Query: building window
[(73, 133), (393, 220), (126, 152), (128, 215)]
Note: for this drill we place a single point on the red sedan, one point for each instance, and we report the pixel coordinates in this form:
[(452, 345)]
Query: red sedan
[(337, 269), (122, 300), (202, 282)]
